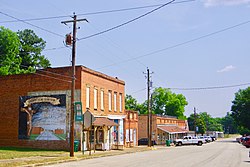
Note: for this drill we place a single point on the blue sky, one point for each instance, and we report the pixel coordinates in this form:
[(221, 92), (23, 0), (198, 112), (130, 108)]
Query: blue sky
[(187, 44)]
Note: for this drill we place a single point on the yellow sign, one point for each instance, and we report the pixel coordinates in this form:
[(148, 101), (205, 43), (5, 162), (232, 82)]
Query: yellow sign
[(51, 100)]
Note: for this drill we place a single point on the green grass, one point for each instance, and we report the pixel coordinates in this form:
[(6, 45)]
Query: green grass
[(12, 156), (12, 152)]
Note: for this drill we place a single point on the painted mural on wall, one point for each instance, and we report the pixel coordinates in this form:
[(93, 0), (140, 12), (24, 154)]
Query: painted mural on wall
[(42, 117)]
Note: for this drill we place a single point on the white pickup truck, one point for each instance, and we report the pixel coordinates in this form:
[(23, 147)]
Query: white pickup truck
[(188, 140)]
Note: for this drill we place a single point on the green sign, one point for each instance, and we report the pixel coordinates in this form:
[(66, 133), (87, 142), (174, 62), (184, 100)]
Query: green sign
[(78, 111)]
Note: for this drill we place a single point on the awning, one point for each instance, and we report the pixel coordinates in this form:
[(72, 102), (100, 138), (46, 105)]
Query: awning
[(171, 129), (102, 121)]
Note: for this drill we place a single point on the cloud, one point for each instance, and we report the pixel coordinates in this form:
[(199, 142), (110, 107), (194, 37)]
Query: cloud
[(209, 3), (227, 69)]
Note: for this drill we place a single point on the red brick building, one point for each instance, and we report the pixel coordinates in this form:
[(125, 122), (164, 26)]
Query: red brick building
[(35, 109), (131, 128), (163, 128)]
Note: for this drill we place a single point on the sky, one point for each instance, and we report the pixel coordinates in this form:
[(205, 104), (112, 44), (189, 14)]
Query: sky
[(198, 48)]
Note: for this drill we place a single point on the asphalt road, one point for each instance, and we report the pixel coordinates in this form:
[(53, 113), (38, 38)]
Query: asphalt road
[(223, 153)]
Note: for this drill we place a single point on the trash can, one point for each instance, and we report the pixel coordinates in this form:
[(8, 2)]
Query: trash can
[(76, 145), (167, 142)]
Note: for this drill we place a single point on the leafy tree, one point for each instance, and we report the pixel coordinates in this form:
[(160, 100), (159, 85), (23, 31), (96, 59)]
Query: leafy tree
[(228, 124), (30, 51), (200, 123), (165, 102), (9, 50), (241, 108), (191, 122), (130, 103), (21, 52), (211, 123)]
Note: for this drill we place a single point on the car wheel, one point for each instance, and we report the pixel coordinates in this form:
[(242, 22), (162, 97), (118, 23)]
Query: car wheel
[(179, 143), (199, 143)]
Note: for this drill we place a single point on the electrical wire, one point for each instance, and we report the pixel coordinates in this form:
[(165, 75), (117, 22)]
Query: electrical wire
[(130, 21), (52, 77), (92, 13), (45, 71), (180, 44), (212, 87), (32, 25)]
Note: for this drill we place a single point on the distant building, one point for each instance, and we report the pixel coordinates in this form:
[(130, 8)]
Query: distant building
[(163, 128), (131, 128)]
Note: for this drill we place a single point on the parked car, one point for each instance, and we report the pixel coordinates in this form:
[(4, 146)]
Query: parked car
[(208, 138), (188, 140), (213, 138), (144, 141), (246, 142), (203, 139)]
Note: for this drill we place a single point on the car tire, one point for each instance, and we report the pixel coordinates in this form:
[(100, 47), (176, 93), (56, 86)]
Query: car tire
[(199, 143), (179, 143)]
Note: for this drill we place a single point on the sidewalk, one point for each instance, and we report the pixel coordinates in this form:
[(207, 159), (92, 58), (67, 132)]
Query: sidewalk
[(64, 157)]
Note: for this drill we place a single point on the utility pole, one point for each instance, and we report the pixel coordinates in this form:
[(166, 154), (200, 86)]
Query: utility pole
[(194, 121), (72, 113), (149, 111)]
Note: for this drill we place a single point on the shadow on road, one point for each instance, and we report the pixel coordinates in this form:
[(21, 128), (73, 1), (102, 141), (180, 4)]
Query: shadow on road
[(247, 161), (227, 141)]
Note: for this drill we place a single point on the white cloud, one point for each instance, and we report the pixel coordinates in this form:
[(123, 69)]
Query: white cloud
[(209, 3), (227, 69)]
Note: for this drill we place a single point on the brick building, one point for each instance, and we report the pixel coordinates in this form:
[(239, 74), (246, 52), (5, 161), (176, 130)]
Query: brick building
[(163, 128), (35, 109), (131, 128)]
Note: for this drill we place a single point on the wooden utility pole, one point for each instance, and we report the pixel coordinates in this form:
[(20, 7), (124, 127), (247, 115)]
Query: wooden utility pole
[(194, 121), (149, 125), (72, 113)]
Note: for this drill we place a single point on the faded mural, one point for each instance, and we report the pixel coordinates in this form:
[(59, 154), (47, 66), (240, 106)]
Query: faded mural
[(42, 117)]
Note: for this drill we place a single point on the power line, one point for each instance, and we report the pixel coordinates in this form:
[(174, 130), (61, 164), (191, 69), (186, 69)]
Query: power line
[(32, 25), (181, 44), (45, 71), (91, 13), (130, 21), (212, 87)]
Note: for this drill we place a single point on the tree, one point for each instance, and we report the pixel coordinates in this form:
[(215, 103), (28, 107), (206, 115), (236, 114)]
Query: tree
[(212, 124), (200, 123), (130, 103), (241, 108), (30, 51), (9, 50), (21, 52), (165, 102), (228, 124)]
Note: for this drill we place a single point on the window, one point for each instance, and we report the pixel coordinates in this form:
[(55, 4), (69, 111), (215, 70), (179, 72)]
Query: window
[(115, 94), (110, 101), (102, 100), (95, 98), (120, 102), (87, 97)]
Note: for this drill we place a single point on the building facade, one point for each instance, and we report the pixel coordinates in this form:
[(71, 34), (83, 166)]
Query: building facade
[(35, 109), (163, 128), (131, 128)]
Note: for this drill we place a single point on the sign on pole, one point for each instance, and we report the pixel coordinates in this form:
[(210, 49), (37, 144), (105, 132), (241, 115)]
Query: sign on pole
[(78, 111), (88, 119)]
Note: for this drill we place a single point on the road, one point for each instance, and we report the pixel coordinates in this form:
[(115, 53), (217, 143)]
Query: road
[(222, 153)]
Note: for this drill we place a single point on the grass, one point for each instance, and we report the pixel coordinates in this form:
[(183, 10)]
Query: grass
[(11, 156), (12, 152)]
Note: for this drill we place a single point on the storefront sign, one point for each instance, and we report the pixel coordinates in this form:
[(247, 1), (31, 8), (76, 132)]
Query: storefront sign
[(43, 99)]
